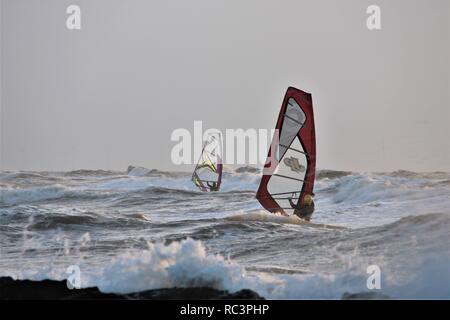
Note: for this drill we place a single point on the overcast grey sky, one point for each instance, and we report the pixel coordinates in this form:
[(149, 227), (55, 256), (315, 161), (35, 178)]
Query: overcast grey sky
[(110, 94)]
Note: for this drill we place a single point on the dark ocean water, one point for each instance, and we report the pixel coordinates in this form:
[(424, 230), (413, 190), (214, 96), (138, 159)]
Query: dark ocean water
[(151, 229)]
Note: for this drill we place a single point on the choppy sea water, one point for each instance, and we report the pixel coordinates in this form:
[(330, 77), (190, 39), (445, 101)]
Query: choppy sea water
[(145, 229)]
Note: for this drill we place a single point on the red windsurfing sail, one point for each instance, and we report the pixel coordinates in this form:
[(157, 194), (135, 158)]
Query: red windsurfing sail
[(290, 168)]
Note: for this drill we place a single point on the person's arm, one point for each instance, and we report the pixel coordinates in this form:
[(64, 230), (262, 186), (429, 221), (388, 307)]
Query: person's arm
[(292, 203)]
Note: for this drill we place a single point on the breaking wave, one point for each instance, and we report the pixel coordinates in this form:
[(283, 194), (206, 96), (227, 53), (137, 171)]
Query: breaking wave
[(12, 196), (365, 188), (186, 263), (147, 229)]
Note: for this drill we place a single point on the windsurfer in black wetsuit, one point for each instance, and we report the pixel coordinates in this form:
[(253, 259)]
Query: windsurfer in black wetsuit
[(213, 186), (304, 210)]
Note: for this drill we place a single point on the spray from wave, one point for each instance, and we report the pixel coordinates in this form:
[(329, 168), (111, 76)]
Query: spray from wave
[(146, 229)]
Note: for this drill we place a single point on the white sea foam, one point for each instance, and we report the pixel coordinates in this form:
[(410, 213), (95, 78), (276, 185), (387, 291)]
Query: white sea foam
[(10, 196), (355, 200), (187, 264)]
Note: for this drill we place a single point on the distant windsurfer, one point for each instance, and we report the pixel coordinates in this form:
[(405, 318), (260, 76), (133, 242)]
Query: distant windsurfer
[(207, 175), (305, 209), (213, 186)]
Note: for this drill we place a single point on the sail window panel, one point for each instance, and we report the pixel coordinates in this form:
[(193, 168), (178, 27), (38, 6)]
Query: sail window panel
[(293, 120)]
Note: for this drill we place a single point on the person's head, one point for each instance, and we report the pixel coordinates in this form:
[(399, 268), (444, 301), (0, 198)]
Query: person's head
[(307, 200)]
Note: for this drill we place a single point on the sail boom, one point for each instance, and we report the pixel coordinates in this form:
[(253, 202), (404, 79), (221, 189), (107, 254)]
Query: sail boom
[(289, 192)]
